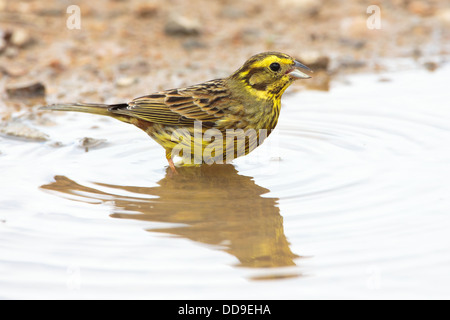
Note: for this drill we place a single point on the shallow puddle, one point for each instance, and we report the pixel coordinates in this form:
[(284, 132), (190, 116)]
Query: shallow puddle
[(348, 199)]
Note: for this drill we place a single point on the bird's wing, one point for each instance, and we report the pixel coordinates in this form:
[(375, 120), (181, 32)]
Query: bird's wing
[(203, 102)]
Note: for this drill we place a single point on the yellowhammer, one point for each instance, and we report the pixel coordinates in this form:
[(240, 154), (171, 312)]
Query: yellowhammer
[(214, 121)]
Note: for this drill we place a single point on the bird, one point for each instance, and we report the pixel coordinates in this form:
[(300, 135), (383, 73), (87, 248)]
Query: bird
[(215, 121)]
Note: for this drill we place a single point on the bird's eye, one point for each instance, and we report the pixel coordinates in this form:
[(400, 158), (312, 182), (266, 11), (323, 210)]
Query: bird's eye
[(275, 66)]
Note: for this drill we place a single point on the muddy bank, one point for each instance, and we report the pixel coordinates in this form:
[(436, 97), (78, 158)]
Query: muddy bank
[(116, 50)]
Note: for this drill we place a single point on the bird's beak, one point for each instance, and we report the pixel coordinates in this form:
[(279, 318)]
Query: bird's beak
[(297, 73)]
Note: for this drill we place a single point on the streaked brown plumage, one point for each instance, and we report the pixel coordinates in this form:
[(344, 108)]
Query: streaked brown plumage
[(248, 99)]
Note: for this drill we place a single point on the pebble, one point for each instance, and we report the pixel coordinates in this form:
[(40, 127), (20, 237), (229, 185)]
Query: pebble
[(88, 142), (181, 26), (306, 7), (21, 130), (146, 10), (431, 65), (32, 90), (14, 70), (20, 38), (11, 52), (126, 81), (55, 144)]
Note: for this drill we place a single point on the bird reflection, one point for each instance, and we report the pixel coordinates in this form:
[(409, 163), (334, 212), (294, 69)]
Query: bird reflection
[(209, 204)]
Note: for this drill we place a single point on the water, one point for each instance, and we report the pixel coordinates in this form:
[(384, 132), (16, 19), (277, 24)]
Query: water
[(350, 199)]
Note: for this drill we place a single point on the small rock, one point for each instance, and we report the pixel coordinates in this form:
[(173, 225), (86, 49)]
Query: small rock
[(87, 143), (182, 26), (55, 144), (21, 130), (34, 90), (20, 38), (307, 7), (57, 64), (126, 81), (14, 70), (146, 10), (416, 53), (431, 66), (11, 52)]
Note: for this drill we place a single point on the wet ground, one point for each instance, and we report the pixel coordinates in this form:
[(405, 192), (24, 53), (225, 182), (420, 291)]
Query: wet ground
[(347, 199)]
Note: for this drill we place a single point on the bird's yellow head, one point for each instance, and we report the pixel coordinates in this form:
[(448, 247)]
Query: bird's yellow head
[(269, 74)]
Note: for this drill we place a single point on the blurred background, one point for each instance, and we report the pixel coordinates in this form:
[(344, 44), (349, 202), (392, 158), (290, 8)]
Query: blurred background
[(111, 50)]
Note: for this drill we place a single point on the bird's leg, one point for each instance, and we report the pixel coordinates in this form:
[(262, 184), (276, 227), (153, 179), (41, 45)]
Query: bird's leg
[(171, 164)]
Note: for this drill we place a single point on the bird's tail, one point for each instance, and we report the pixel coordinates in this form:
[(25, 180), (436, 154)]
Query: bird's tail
[(94, 108)]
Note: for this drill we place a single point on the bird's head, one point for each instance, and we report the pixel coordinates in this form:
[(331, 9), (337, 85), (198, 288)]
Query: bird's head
[(269, 74)]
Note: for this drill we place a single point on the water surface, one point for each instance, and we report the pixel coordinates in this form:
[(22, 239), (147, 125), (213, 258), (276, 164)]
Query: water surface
[(349, 199)]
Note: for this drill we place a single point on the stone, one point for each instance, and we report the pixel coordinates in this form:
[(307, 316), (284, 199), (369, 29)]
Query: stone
[(20, 38), (146, 10), (88, 143), (14, 70), (21, 130), (181, 26), (11, 52), (126, 81), (32, 90), (431, 65), (307, 7)]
